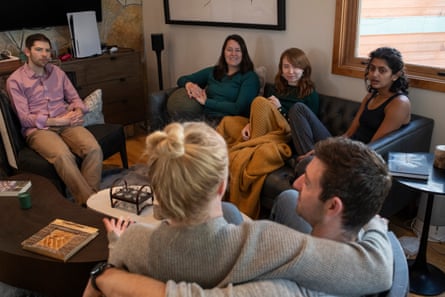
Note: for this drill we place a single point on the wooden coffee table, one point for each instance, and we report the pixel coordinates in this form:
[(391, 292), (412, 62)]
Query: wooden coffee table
[(38, 273)]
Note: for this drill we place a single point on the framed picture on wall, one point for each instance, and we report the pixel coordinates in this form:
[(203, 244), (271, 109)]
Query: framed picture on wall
[(254, 14)]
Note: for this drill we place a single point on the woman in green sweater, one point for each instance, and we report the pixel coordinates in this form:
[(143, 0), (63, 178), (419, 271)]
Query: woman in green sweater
[(227, 88)]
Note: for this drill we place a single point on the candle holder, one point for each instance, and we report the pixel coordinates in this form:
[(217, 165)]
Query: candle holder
[(130, 197)]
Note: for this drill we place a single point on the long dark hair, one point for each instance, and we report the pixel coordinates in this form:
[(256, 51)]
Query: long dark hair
[(298, 59), (395, 62), (222, 68)]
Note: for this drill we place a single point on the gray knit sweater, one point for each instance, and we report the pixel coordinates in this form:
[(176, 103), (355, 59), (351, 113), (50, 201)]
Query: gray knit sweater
[(263, 288), (216, 254)]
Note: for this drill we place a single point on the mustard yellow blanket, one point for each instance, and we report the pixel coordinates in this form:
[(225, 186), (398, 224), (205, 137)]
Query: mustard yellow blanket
[(251, 160)]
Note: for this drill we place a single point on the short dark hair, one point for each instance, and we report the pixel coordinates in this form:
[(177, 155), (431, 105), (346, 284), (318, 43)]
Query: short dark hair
[(395, 62), (246, 63), (357, 175), (31, 39)]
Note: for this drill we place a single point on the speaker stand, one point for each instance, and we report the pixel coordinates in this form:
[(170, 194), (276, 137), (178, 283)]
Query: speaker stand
[(158, 57)]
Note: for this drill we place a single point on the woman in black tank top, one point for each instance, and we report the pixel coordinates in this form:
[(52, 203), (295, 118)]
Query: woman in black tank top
[(384, 109), (371, 119)]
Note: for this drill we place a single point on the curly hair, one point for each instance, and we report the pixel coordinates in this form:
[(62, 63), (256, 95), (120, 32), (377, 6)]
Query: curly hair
[(186, 164), (395, 62)]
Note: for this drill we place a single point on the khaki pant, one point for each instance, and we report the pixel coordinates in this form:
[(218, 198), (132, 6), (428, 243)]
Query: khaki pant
[(60, 146)]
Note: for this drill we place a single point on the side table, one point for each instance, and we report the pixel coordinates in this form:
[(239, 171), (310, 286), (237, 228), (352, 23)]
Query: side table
[(425, 278)]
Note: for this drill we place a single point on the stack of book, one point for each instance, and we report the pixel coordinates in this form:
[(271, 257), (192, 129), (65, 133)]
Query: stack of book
[(409, 165)]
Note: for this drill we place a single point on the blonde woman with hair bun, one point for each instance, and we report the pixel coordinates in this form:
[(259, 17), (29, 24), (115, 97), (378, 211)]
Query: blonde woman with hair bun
[(188, 168)]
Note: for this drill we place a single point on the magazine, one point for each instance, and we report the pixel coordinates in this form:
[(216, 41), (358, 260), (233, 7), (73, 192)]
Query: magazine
[(60, 239), (410, 165), (13, 188)]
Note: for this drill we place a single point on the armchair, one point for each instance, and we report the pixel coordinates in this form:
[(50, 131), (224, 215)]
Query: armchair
[(21, 158)]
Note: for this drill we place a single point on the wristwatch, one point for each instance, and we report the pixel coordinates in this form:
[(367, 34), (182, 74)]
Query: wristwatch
[(98, 270)]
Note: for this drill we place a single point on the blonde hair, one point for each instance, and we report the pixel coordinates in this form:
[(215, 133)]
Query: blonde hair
[(186, 164)]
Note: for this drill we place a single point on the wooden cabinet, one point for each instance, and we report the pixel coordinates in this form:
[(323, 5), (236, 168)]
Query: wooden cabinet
[(120, 76)]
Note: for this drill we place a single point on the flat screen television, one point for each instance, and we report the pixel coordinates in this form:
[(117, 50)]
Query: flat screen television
[(27, 14)]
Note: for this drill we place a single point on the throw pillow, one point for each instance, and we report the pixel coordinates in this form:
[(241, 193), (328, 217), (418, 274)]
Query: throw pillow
[(181, 107), (94, 104)]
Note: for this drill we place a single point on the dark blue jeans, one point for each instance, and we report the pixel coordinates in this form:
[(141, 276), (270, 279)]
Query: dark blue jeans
[(231, 213), (306, 128)]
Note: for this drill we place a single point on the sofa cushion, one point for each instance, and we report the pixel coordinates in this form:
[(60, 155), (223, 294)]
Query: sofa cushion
[(336, 113), (180, 105)]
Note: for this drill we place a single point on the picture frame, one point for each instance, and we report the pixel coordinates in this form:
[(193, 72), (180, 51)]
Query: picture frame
[(253, 14)]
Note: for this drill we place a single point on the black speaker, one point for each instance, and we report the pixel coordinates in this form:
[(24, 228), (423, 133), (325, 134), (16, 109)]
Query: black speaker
[(157, 42)]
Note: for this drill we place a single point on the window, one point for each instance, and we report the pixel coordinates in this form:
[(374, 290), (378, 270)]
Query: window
[(415, 27)]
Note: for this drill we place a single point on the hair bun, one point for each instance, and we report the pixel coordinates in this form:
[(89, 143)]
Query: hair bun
[(168, 143)]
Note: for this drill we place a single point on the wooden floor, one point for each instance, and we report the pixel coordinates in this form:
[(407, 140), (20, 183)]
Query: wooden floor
[(399, 224)]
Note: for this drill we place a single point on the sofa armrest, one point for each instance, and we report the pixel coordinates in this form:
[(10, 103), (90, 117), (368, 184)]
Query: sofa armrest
[(414, 137), (157, 108), (406, 139)]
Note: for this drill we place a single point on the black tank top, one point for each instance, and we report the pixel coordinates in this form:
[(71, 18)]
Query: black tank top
[(371, 119)]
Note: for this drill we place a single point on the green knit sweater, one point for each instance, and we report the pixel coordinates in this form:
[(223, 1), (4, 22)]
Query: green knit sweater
[(230, 96), (290, 98)]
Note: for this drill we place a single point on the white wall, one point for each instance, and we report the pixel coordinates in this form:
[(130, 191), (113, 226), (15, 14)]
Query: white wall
[(309, 26)]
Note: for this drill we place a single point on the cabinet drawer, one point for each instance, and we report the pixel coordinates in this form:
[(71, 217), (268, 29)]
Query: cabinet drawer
[(105, 68), (122, 99), (119, 76), (124, 112), (115, 89)]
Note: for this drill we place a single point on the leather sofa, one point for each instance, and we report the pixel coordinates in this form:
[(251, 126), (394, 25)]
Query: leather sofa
[(336, 114)]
